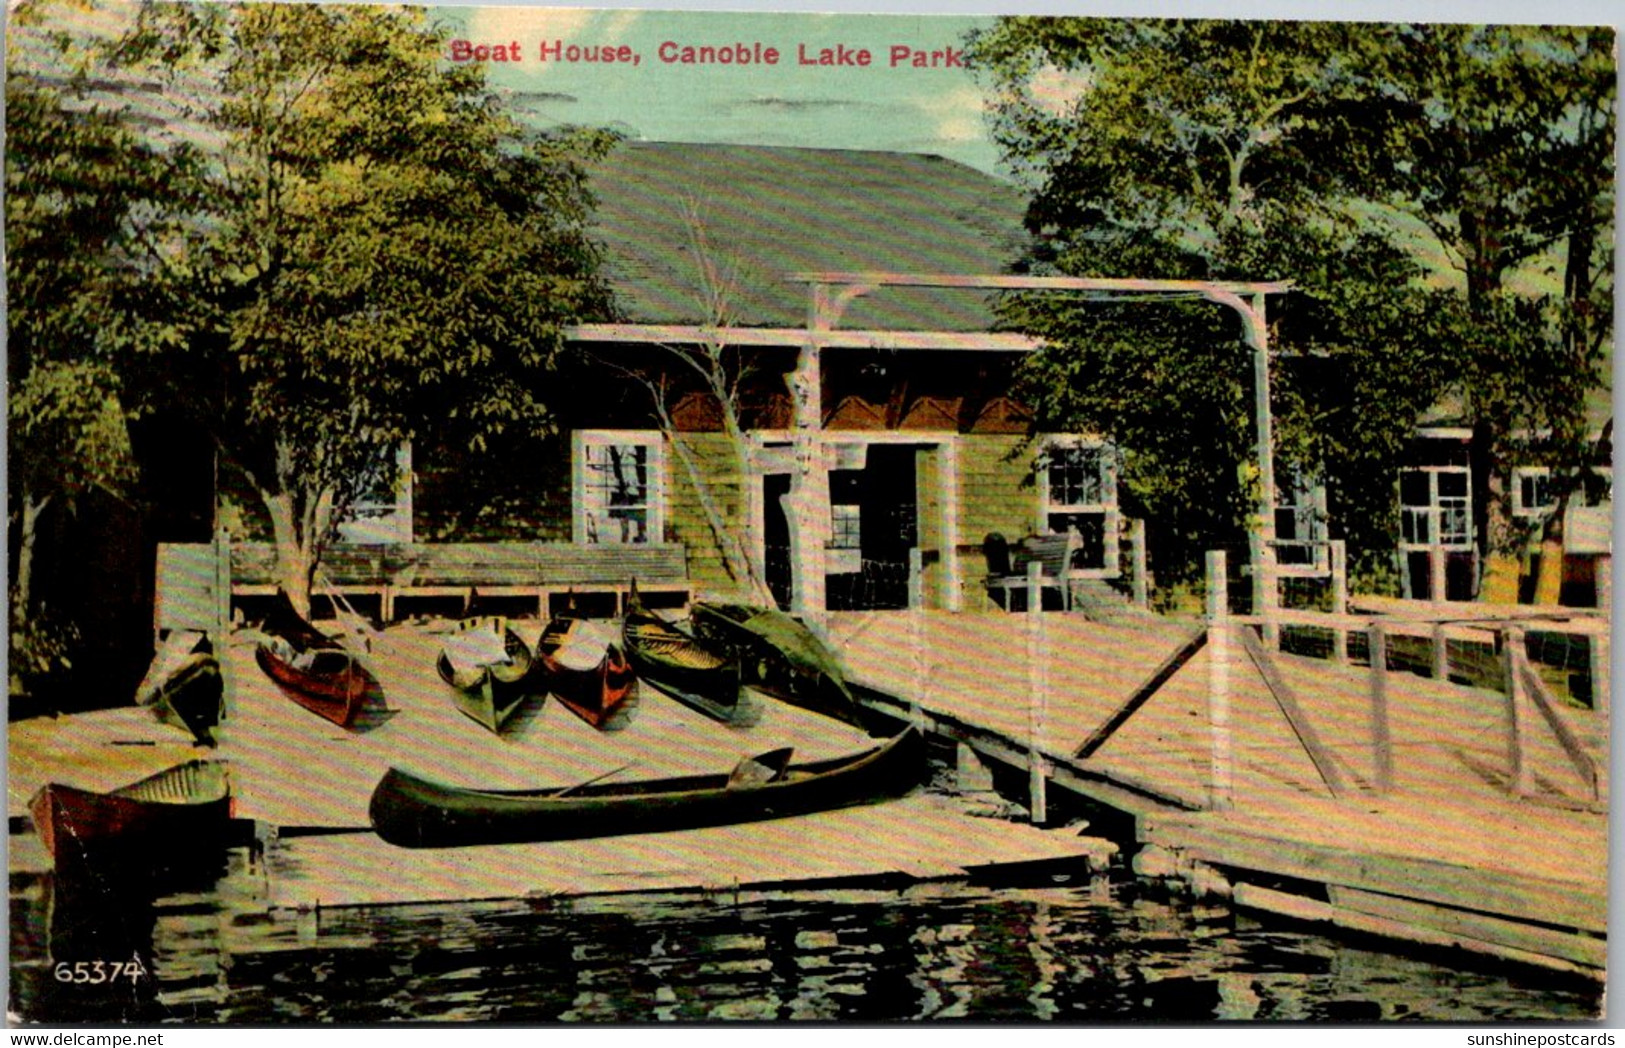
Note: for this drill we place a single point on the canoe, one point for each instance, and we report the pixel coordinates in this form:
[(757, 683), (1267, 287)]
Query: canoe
[(779, 655), (316, 671), (585, 670), (413, 812), (182, 806), (183, 686), (489, 669), (678, 664)]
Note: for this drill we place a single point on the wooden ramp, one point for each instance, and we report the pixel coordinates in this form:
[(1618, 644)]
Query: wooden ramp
[(920, 837), (1527, 875)]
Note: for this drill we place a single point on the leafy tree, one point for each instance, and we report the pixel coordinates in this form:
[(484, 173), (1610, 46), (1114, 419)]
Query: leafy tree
[(1197, 150), (1294, 151), (382, 250), (88, 210)]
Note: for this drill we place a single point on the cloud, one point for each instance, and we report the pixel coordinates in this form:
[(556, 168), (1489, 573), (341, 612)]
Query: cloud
[(956, 115), (527, 24)]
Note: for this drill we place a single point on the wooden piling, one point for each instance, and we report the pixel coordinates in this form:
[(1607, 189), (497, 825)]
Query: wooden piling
[(1037, 697), (1518, 770), (1382, 748), (1141, 584), (1339, 567), (1220, 792)]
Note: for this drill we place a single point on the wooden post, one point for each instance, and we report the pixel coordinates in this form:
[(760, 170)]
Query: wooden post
[(1266, 592), (1605, 581), (1035, 587), (916, 647), (1037, 683), (1141, 584), (1339, 566), (1519, 771), (222, 619), (1382, 748), (1220, 796), (1436, 586), (916, 578), (1601, 677), (1441, 653)]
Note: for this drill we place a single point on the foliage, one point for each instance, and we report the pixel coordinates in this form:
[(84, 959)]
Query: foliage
[(382, 249), (1294, 151)]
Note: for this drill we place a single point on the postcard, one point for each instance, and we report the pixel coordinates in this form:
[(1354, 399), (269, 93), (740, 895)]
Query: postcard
[(529, 516)]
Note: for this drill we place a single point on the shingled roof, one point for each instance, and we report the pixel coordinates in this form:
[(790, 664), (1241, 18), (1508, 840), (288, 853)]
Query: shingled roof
[(773, 211)]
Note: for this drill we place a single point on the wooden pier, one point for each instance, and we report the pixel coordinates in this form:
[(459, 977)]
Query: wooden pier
[(1441, 820)]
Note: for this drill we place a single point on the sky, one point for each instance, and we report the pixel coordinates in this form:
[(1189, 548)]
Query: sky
[(902, 107)]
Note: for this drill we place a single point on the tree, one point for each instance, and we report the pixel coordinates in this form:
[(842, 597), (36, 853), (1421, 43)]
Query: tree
[(724, 377), (1198, 150), (1282, 150), (382, 250), (1500, 139), (88, 210)]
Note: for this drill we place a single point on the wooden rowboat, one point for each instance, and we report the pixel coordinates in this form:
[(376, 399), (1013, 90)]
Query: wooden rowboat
[(489, 669), (183, 686), (181, 806), (415, 813), (316, 671), (678, 664), (586, 670), (779, 655)]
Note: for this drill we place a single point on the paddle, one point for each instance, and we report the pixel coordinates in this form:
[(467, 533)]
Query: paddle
[(596, 778)]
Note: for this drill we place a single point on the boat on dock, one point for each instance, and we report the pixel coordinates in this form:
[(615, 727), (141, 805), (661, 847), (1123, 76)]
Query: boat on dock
[(413, 812), (181, 805), (183, 687), (682, 666), (779, 655), (584, 668), (316, 671), (489, 669)]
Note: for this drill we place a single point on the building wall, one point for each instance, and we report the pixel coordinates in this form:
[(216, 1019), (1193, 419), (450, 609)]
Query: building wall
[(686, 521)]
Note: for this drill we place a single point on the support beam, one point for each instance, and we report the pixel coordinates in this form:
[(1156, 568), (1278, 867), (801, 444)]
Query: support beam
[(1220, 789), (1382, 747), (1287, 700), (1153, 684), (1519, 774)]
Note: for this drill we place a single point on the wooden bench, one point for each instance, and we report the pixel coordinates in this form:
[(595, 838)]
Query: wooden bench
[(528, 570)]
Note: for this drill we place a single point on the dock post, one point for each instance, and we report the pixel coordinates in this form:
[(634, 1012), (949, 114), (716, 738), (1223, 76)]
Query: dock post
[(1218, 699), (1600, 672), (1036, 684), (1266, 594), (1441, 653), (1517, 711), (916, 649), (1382, 748), (222, 618), (916, 578), (1339, 565), (1141, 584)]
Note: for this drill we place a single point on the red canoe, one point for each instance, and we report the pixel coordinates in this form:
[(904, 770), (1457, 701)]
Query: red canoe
[(586, 670), (182, 805)]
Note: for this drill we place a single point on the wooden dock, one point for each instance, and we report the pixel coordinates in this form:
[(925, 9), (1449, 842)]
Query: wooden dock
[(1448, 854), (299, 779)]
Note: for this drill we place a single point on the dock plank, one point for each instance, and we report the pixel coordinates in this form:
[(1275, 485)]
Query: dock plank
[(923, 837)]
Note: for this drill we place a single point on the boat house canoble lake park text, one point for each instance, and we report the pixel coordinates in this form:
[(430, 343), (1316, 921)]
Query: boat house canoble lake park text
[(506, 531)]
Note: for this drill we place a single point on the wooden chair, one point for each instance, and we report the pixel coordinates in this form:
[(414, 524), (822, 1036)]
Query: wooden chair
[(1007, 566)]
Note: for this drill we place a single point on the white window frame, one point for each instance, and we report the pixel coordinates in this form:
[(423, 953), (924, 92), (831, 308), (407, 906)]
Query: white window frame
[(1107, 506), (1434, 512), (1522, 508), (378, 522), (655, 506), (1305, 496)]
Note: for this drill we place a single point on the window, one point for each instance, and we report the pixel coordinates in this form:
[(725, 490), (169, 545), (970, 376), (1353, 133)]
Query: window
[(1300, 523), (1078, 492), (618, 488), (846, 527), (1532, 492), (382, 511), (1435, 505)]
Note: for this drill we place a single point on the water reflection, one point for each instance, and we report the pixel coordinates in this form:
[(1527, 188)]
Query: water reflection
[(1103, 952)]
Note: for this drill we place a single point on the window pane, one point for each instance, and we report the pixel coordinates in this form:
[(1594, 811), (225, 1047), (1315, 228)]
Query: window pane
[(1076, 477), (1453, 485), (1413, 488), (1455, 529), (847, 530), (615, 495)]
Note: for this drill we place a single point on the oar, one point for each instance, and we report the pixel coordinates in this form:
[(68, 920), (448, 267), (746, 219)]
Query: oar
[(595, 778)]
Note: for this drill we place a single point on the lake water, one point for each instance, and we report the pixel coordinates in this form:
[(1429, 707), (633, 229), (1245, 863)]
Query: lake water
[(1109, 950)]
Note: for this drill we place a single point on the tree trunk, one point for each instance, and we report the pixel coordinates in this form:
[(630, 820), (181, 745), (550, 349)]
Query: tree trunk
[(20, 594), (295, 566)]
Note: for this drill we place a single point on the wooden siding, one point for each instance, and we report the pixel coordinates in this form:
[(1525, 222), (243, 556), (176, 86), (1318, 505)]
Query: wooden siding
[(686, 523), (995, 494)]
